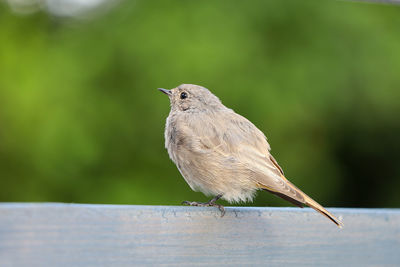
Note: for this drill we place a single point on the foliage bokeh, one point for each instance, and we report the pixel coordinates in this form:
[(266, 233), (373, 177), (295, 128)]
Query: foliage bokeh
[(81, 119)]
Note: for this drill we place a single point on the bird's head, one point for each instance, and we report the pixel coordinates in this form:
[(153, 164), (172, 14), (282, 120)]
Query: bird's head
[(192, 98)]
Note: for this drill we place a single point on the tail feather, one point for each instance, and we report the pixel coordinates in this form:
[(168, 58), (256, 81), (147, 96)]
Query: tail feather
[(303, 199), (287, 198), (313, 204)]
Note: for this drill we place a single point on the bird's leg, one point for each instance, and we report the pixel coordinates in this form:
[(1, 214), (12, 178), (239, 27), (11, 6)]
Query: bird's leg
[(210, 203)]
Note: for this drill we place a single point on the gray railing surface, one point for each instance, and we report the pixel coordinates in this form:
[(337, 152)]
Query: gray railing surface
[(51, 234)]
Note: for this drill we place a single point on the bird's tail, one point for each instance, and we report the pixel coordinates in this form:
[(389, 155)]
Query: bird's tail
[(303, 199), (313, 204)]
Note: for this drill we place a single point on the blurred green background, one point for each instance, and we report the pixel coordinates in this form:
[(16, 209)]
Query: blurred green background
[(81, 119)]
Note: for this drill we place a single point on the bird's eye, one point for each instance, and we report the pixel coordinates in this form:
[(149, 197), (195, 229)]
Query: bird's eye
[(184, 95)]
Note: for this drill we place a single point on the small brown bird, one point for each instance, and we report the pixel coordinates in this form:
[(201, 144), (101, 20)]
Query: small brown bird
[(222, 154)]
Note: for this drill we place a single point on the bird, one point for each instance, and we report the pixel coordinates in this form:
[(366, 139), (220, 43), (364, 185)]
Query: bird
[(222, 154)]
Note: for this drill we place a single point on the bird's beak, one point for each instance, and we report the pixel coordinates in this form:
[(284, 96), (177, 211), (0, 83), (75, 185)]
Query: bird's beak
[(165, 91)]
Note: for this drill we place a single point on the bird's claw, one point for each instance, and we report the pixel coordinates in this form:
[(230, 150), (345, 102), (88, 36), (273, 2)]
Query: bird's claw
[(206, 204)]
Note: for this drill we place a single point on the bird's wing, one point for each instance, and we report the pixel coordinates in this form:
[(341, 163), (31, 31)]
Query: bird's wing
[(231, 135)]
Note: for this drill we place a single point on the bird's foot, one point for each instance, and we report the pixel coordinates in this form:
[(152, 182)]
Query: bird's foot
[(210, 203)]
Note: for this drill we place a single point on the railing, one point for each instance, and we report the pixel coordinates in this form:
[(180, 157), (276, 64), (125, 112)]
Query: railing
[(51, 234)]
